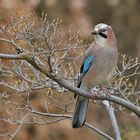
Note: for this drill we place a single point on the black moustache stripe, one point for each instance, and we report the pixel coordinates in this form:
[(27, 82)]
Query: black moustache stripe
[(103, 35)]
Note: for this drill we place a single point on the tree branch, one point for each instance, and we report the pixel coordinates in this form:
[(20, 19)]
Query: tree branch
[(98, 131), (36, 64), (69, 117), (113, 120)]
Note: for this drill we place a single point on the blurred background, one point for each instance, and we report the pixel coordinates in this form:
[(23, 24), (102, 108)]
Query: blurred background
[(83, 15)]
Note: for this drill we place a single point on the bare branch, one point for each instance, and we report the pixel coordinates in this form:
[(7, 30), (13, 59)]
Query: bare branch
[(13, 135), (98, 131), (113, 120), (69, 117), (66, 85)]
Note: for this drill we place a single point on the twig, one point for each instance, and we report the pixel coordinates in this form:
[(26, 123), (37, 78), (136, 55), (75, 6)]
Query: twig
[(98, 131), (13, 135), (69, 117)]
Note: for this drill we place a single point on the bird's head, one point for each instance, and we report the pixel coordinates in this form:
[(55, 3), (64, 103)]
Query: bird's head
[(104, 35)]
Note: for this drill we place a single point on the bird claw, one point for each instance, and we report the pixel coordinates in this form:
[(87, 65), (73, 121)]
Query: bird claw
[(105, 91), (94, 93)]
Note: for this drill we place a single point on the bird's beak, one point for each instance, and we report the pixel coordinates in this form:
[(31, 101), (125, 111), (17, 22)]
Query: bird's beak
[(95, 32)]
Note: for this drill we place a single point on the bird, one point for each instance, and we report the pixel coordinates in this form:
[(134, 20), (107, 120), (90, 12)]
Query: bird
[(98, 67)]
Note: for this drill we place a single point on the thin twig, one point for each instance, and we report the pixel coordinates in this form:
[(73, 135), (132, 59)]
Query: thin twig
[(69, 117), (13, 135), (98, 131)]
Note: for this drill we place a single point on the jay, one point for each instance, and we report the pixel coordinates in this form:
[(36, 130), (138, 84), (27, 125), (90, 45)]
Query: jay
[(97, 69)]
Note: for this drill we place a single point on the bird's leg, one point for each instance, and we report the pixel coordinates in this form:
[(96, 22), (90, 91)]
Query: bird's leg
[(105, 91), (94, 93)]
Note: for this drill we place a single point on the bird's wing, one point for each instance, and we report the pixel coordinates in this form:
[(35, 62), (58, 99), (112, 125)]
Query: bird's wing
[(84, 68)]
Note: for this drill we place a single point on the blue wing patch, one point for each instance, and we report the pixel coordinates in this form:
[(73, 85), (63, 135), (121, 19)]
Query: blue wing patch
[(87, 63), (85, 66)]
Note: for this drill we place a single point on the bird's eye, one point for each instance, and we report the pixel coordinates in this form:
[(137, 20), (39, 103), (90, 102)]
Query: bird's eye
[(103, 30)]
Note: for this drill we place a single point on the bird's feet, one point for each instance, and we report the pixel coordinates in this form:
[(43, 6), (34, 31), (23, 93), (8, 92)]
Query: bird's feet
[(95, 94), (105, 91)]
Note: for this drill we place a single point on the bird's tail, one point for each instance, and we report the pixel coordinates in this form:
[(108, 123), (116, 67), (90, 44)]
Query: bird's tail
[(80, 112)]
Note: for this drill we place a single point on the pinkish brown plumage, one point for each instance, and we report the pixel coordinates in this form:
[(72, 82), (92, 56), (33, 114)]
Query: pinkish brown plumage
[(97, 69)]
